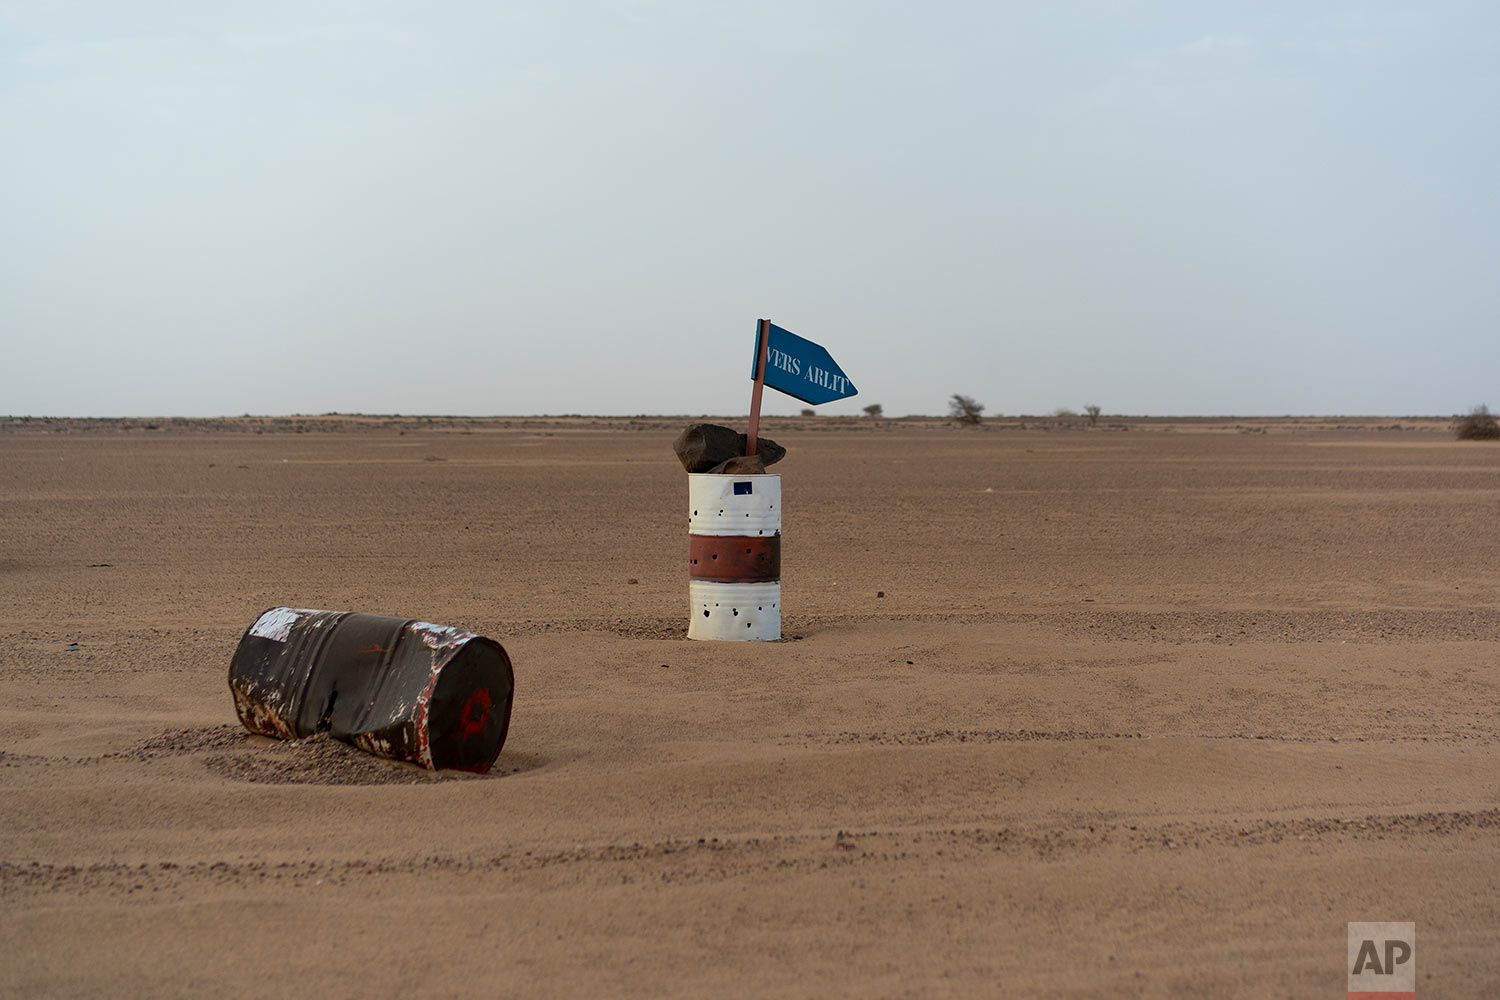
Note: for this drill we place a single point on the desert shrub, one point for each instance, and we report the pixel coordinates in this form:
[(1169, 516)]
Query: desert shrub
[(808, 413), (964, 410), (1063, 411), (1093, 412), (874, 410), (1477, 425)]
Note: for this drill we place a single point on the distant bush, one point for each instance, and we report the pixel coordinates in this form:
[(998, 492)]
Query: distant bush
[(874, 410), (1093, 412), (808, 413), (964, 410), (1063, 411), (1478, 425)]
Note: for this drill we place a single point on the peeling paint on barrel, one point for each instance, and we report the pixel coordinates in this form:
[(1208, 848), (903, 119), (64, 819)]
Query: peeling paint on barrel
[(378, 683), (375, 745), (420, 714), (260, 717)]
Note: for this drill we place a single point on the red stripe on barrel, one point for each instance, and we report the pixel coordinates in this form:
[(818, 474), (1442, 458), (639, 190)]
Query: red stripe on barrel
[(734, 558)]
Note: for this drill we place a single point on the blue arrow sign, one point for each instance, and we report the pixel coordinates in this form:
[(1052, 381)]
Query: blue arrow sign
[(800, 368)]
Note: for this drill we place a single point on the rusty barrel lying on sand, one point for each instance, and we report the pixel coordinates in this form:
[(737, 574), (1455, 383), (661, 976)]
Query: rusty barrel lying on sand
[(433, 695), (734, 556)]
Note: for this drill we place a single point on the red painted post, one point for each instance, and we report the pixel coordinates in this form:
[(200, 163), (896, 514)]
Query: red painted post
[(760, 384)]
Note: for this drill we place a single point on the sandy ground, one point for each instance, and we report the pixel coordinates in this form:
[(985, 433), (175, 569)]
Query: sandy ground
[(1150, 709)]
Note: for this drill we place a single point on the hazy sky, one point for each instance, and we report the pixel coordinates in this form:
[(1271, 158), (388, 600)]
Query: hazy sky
[(553, 207)]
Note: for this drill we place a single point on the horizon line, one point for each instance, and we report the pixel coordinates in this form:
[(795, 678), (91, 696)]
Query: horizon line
[(26, 418)]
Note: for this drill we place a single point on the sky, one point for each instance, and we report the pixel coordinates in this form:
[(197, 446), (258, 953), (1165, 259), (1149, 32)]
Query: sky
[(583, 207)]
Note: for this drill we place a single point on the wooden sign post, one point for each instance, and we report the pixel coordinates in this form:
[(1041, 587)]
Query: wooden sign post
[(760, 384)]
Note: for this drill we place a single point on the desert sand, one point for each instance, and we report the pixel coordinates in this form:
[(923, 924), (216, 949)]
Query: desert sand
[(1146, 709)]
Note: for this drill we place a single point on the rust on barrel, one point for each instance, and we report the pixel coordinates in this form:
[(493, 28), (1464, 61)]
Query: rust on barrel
[(434, 695), (734, 558)]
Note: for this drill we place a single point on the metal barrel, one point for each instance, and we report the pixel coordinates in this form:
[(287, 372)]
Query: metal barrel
[(410, 690), (734, 557)]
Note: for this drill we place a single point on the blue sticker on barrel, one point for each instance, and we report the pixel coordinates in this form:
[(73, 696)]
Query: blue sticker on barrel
[(743, 489)]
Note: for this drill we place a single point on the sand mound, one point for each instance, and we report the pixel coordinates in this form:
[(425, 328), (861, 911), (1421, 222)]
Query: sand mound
[(317, 760)]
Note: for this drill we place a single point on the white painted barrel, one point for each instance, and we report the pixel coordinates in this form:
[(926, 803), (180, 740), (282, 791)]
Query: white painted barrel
[(734, 557), (717, 509), (735, 611)]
